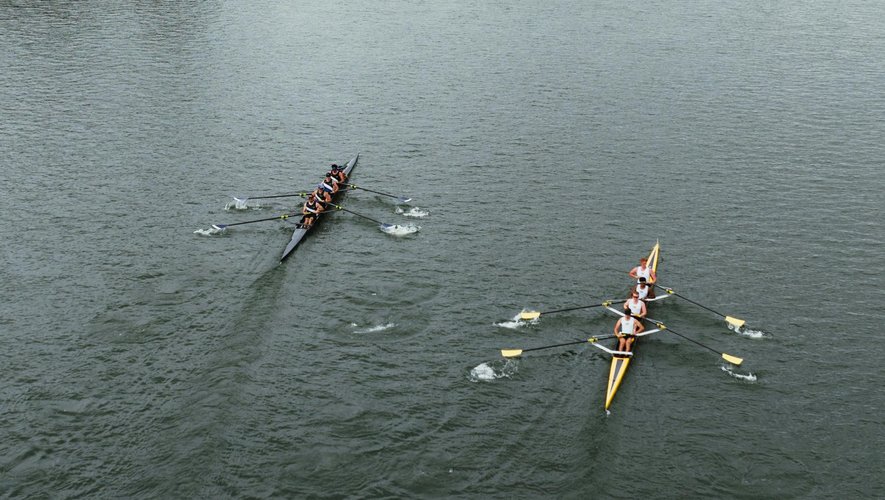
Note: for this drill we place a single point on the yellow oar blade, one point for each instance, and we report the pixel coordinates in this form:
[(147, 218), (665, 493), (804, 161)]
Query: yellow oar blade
[(732, 359), (511, 353), (735, 322), (529, 315)]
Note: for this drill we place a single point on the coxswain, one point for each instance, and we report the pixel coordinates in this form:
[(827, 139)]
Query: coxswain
[(626, 329), (311, 209), (635, 306), (643, 270), (642, 290)]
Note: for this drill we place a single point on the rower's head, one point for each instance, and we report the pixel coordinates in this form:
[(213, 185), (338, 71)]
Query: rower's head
[(635, 294), (643, 261), (641, 280), (628, 314), (335, 166)]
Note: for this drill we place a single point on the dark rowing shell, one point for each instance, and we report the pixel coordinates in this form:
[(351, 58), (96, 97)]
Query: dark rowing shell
[(300, 233)]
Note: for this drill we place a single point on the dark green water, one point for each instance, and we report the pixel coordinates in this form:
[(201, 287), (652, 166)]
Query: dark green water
[(547, 146)]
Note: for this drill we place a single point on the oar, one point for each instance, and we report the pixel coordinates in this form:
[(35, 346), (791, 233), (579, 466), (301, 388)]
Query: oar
[(401, 199), (243, 200), (727, 357), (279, 217), (512, 353), (383, 225), (731, 320), (529, 315)]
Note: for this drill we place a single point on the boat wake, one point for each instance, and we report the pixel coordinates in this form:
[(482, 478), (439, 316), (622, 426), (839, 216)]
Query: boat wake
[(749, 377), (485, 372), (373, 329), (208, 232), (412, 212), (397, 230)]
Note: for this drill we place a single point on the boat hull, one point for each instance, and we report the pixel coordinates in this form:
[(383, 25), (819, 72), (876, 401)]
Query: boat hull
[(299, 234), (620, 364)]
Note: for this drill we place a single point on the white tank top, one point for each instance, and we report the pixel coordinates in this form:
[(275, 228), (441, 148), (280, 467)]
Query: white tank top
[(627, 324), (643, 272), (642, 291), (635, 305)]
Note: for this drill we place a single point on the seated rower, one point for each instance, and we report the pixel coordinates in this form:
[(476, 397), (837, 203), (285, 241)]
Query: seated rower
[(338, 173), (332, 182), (311, 209), (643, 291), (322, 195), (626, 328), (635, 306), (643, 270)]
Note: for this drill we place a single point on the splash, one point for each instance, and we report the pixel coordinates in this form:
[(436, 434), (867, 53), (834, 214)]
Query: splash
[(397, 230), (238, 204), (208, 232), (749, 377), (515, 322), (753, 334), (373, 329), (412, 212), (485, 372)]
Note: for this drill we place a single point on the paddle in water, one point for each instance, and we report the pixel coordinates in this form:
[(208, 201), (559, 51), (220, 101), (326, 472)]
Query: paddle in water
[(221, 227), (737, 323), (530, 315), (727, 357), (512, 353), (401, 199)]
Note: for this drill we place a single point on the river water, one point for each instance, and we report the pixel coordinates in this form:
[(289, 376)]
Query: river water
[(546, 146)]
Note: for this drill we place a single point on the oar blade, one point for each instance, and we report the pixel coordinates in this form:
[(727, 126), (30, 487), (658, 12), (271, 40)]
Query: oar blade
[(529, 315), (403, 199), (219, 227), (511, 353), (732, 359), (737, 323)]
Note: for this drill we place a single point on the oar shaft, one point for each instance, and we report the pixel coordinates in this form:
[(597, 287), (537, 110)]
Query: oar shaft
[(584, 307), (339, 207), (354, 186), (276, 196), (683, 297), (279, 217)]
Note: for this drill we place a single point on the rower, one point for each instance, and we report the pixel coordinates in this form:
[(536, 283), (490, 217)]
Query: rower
[(323, 196), (635, 305), (337, 173), (626, 329), (643, 270), (642, 290), (311, 209), (330, 181)]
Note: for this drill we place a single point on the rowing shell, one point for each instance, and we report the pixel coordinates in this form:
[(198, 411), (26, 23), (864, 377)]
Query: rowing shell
[(300, 233), (621, 360)]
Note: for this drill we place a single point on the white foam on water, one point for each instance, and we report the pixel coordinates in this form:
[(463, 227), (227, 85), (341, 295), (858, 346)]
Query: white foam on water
[(397, 230), (376, 328), (749, 377), (485, 372), (753, 334), (412, 212), (515, 322), (208, 232)]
